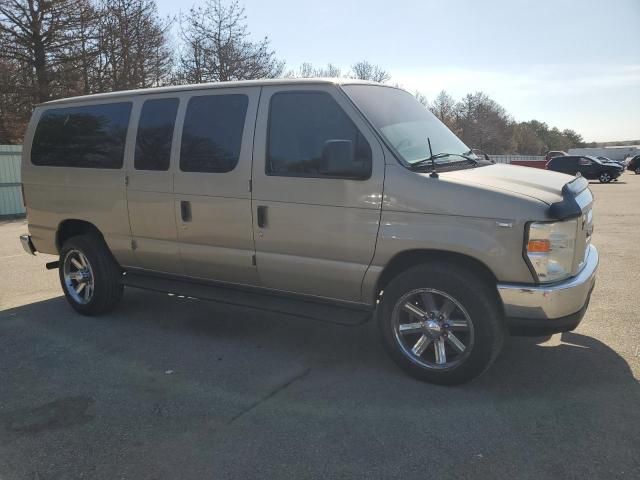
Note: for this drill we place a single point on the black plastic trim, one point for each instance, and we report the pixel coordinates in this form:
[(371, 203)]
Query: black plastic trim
[(568, 207)]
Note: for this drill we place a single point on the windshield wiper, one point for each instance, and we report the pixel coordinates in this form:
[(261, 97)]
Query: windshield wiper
[(432, 158)]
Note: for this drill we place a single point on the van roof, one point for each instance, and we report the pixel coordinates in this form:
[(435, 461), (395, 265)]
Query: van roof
[(208, 86)]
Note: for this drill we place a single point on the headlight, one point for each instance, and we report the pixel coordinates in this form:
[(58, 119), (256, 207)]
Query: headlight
[(550, 249)]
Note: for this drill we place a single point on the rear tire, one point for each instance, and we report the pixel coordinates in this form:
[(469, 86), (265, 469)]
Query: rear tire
[(637, 170), (460, 310), (89, 275)]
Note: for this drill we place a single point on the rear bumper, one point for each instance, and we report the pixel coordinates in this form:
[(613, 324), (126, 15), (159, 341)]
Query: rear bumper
[(557, 307), (27, 244)]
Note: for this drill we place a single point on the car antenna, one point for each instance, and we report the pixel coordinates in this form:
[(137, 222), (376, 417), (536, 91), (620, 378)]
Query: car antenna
[(433, 173)]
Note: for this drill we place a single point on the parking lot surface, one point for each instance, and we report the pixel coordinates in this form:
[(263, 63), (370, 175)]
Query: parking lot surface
[(169, 388)]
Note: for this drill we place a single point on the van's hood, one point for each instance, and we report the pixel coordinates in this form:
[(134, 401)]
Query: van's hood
[(543, 185)]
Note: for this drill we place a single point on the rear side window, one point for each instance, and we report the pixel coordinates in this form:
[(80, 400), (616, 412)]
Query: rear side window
[(91, 136), (301, 127), (562, 161), (212, 133), (155, 131)]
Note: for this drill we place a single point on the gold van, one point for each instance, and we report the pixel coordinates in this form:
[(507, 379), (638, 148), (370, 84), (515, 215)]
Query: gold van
[(331, 195)]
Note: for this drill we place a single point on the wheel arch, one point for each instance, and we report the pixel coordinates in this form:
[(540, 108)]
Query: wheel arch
[(410, 258), (72, 227)]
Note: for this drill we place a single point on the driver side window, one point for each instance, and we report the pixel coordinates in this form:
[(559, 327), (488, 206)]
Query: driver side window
[(311, 136)]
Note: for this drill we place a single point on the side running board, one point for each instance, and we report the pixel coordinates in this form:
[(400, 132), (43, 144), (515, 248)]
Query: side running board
[(282, 304)]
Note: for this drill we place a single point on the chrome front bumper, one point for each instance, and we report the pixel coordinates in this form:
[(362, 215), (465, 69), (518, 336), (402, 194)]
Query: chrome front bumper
[(545, 303), (27, 244)]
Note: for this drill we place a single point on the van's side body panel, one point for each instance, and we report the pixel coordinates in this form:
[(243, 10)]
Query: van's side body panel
[(424, 213), (321, 232), (55, 194), (216, 241), (150, 202)]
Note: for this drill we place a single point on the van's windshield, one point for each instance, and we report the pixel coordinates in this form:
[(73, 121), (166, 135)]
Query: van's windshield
[(406, 124)]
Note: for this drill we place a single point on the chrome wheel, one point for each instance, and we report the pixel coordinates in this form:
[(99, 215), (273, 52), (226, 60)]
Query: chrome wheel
[(78, 277), (432, 329)]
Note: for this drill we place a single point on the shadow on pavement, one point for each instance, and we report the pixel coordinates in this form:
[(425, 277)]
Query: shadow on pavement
[(526, 363), (171, 388)]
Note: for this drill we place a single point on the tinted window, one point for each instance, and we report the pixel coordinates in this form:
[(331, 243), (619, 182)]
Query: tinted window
[(301, 124), (212, 133), (90, 137), (563, 162), (155, 130)]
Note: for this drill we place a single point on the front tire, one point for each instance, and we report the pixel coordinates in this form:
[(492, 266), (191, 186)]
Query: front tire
[(89, 275), (605, 177), (441, 323)]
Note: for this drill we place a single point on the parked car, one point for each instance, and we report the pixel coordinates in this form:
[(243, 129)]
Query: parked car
[(554, 153), (634, 165), (332, 196), (613, 162), (589, 167)]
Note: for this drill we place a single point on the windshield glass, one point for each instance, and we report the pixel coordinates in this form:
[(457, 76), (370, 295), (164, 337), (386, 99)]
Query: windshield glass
[(405, 123)]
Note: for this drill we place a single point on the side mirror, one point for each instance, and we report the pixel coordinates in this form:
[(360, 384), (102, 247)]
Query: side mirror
[(338, 159)]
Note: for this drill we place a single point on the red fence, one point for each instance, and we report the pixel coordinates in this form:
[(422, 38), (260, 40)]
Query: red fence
[(535, 161), (530, 163)]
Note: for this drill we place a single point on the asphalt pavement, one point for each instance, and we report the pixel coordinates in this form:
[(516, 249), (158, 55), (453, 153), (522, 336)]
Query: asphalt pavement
[(169, 388)]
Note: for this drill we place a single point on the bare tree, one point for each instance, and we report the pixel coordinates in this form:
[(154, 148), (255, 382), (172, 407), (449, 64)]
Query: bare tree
[(421, 98), (364, 70), (39, 33), (217, 46), (132, 44), (15, 99), (443, 107), (527, 140), (307, 70), (482, 123), (86, 50)]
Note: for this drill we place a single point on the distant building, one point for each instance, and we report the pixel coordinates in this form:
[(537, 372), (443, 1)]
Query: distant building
[(613, 152)]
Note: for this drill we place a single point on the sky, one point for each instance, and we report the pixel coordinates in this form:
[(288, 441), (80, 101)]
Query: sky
[(570, 63)]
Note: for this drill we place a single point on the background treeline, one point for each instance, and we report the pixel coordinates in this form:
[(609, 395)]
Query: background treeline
[(60, 48), (482, 123)]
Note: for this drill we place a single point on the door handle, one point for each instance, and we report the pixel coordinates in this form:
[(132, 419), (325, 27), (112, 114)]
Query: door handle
[(262, 216), (185, 211)]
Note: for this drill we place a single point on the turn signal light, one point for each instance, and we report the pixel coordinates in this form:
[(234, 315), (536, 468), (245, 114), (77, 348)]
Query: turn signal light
[(539, 246)]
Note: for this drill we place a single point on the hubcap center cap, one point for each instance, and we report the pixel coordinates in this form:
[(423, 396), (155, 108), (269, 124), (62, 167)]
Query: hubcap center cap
[(432, 328), (81, 275)]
